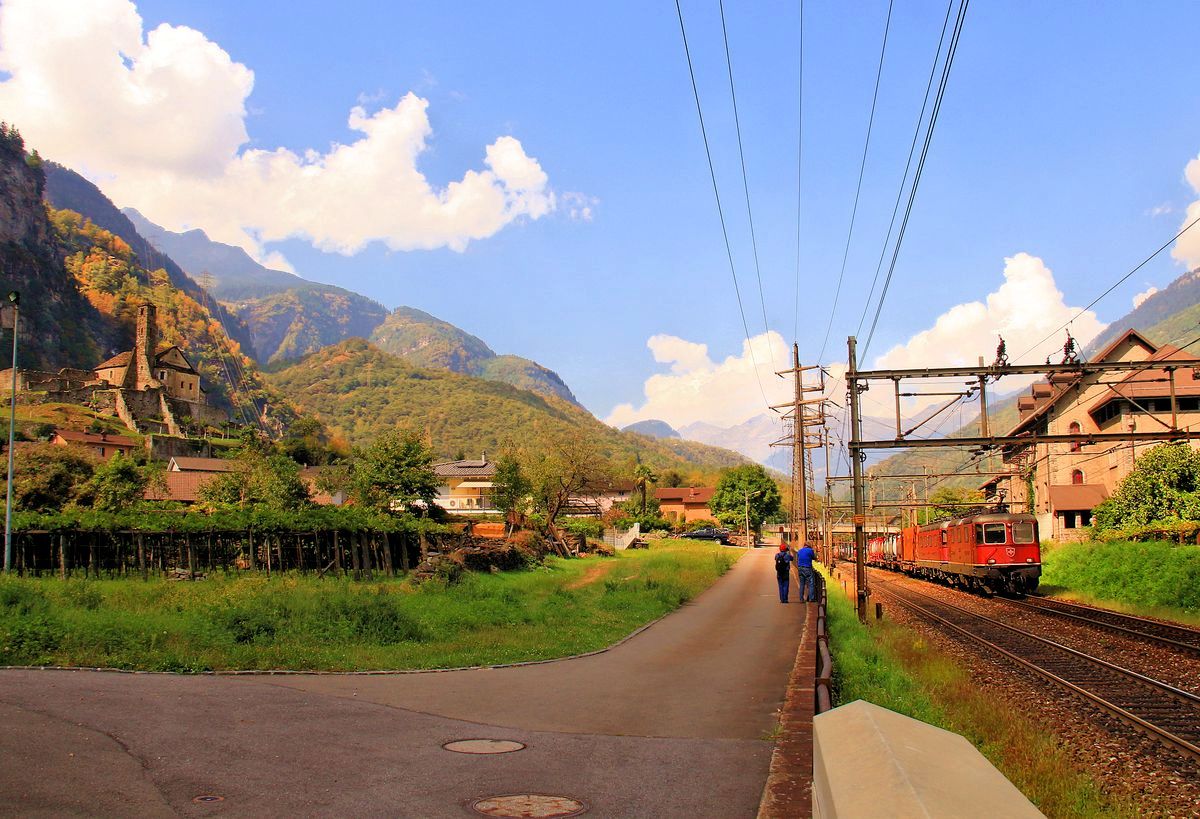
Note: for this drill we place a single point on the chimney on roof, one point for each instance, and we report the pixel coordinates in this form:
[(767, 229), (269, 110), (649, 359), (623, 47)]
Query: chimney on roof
[(483, 457)]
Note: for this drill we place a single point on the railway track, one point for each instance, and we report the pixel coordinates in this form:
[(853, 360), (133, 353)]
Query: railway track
[(1172, 636), (1163, 711)]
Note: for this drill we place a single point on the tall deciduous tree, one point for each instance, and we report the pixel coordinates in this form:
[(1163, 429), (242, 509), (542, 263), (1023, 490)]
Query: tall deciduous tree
[(263, 478), (744, 486), (560, 468), (1164, 485), (395, 473), (117, 484)]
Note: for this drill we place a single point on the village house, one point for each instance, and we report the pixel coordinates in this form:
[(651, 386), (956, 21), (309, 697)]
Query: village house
[(1063, 483), (465, 487), (685, 504), (102, 443)]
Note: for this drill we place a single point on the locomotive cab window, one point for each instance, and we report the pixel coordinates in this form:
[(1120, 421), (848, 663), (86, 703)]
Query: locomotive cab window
[(994, 533), (944, 536), (1023, 533)]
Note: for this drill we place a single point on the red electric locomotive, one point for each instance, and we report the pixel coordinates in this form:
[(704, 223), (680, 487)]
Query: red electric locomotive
[(991, 552)]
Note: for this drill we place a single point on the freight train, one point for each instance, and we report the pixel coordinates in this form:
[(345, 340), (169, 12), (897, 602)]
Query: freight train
[(989, 552)]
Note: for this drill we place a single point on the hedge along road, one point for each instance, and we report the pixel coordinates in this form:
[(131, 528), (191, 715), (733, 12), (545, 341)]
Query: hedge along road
[(669, 723)]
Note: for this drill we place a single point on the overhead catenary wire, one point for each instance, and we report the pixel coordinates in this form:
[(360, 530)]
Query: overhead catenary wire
[(907, 165), (858, 188), (1112, 287), (947, 65), (720, 210), (745, 181)]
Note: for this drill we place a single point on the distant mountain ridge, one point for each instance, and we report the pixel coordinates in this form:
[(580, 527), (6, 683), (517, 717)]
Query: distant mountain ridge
[(290, 317), (653, 428)]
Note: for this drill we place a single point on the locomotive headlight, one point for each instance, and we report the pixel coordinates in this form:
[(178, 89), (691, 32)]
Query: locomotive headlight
[(991, 561), (1029, 560)]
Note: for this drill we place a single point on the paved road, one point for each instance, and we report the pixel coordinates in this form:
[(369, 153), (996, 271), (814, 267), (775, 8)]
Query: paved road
[(669, 724)]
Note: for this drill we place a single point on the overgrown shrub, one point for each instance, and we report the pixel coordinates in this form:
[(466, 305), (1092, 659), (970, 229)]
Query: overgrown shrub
[(1155, 573)]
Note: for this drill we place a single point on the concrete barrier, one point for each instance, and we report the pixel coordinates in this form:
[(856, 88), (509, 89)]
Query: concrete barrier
[(869, 761)]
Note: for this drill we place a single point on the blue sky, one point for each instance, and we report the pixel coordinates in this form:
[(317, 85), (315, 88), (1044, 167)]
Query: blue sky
[(1065, 134)]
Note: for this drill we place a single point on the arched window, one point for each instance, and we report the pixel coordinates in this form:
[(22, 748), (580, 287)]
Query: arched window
[(1075, 429), (1077, 477)]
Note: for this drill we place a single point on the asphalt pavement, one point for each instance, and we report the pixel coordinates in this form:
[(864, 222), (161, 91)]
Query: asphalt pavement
[(673, 722)]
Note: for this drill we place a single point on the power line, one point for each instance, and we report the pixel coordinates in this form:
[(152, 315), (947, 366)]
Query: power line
[(720, 211), (912, 193), (799, 170), (745, 180), (908, 164), (1113, 287), (858, 189)]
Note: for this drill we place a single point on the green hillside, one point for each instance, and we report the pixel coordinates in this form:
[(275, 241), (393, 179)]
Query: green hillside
[(360, 391), (426, 341)]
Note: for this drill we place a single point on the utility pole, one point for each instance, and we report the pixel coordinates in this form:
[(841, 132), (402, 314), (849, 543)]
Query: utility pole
[(15, 299), (798, 450), (826, 537), (856, 455)]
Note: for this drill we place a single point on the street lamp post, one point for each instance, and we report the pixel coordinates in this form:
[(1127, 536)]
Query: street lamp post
[(15, 299)]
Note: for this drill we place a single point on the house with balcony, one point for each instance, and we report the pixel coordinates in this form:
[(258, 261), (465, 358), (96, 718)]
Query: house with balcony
[(465, 487), (1063, 483)]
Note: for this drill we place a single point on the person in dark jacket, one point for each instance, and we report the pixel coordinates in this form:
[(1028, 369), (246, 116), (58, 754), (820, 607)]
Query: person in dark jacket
[(804, 571), (783, 571)]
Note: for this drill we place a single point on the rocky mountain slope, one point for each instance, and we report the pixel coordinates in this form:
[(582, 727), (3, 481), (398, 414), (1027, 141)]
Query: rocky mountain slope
[(426, 341), (359, 391)]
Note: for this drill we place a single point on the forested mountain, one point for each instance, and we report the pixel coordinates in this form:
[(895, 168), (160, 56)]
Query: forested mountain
[(423, 340), (652, 427), (81, 284), (67, 190), (1165, 317), (360, 391)]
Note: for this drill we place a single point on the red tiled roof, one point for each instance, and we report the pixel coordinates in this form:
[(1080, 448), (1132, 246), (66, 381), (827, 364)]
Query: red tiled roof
[(118, 360), (96, 438), (180, 486), (1077, 497), (685, 494), (188, 464)]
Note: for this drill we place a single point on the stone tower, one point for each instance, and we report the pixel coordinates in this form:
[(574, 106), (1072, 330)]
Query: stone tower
[(139, 375)]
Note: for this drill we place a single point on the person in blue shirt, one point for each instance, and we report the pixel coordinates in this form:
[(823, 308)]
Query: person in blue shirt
[(804, 570), (783, 571)]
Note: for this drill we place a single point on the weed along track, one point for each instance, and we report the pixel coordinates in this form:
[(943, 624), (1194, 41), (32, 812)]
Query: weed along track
[(1181, 638), (1167, 713)]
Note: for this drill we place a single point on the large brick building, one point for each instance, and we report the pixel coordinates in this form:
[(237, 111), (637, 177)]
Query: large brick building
[(1063, 483)]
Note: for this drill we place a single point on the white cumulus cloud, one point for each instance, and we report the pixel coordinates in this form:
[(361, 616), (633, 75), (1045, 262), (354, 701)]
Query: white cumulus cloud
[(1025, 308), (697, 388), (1187, 248), (1145, 294), (158, 118)]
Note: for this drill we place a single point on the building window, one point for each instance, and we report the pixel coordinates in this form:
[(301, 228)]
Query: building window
[(1077, 477), (1068, 520), (1085, 518), (1074, 429)]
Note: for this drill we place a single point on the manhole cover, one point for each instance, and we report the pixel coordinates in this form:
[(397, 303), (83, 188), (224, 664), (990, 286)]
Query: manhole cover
[(484, 746), (208, 799), (529, 805)]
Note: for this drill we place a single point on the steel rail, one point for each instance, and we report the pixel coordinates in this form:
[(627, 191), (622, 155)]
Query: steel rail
[(1094, 617), (1164, 735)]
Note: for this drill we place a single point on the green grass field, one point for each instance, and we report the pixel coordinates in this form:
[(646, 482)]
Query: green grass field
[(305, 623), (890, 665), (1154, 578)]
